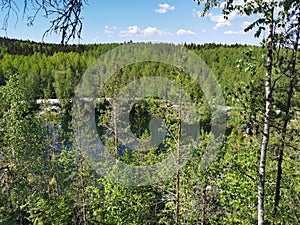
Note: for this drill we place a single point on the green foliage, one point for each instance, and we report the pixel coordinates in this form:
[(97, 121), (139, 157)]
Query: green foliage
[(45, 179)]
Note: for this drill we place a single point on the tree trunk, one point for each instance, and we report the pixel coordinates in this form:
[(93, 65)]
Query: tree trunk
[(266, 131), (286, 120)]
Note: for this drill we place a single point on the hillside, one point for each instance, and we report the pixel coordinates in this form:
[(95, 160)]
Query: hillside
[(136, 158)]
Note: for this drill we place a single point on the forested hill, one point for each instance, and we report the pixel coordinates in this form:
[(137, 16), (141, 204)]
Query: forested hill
[(53, 70), (197, 171), (22, 47)]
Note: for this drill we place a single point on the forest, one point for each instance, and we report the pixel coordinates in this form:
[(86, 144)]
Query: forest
[(46, 178), (144, 133)]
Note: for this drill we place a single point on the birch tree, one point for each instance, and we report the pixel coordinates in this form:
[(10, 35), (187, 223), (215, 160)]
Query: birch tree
[(264, 10)]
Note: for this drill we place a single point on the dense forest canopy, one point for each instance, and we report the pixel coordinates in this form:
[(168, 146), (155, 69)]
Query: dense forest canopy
[(19, 56), (45, 178)]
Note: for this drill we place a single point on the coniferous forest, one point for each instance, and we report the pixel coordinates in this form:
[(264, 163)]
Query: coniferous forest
[(46, 179)]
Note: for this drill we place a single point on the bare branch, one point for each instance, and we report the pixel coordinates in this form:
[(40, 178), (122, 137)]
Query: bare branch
[(66, 15)]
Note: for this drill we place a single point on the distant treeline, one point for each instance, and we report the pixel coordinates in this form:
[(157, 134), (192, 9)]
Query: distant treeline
[(53, 70)]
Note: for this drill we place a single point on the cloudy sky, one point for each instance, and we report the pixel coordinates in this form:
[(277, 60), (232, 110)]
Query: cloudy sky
[(176, 21)]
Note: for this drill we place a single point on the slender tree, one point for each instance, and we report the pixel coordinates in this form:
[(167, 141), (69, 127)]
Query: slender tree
[(294, 36), (265, 10), (267, 117)]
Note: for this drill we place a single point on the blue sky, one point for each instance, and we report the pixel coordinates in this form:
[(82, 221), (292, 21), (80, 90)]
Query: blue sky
[(175, 21)]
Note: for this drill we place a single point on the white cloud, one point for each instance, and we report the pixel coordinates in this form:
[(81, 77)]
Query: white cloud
[(163, 8), (149, 31), (234, 3), (132, 30), (229, 32), (137, 31), (182, 32), (220, 25), (238, 2), (110, 30), (196, 13), (218, 18), (245, 24), (221, 21), (223, 4)]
